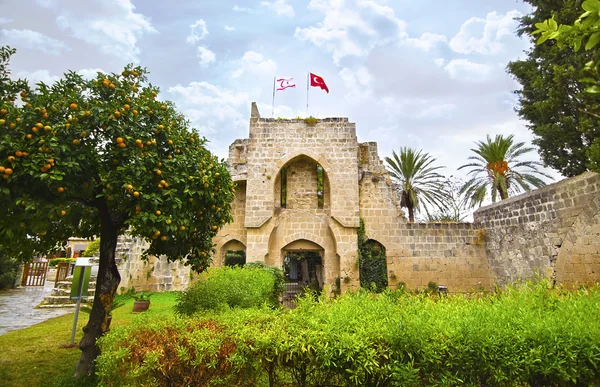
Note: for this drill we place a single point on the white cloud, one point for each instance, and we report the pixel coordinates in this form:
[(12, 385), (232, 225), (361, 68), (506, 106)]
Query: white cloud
[(37, 76), (439, 61), (427, 41), (467, 70), (198, 31), (241, 9), (486, 36), (356, 81), (254, 62), (354, 29), (112, 25), (215, 111), (228, 28), (4, 20), (206, 56), (90, 73), (33, 40), (280, 7)]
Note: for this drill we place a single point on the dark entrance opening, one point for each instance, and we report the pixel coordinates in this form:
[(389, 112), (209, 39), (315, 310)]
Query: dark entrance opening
[(303, 270), (235, 258)]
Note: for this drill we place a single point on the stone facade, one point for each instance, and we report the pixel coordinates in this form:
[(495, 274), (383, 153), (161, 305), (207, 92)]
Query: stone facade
[(551, 232), (279, 209)]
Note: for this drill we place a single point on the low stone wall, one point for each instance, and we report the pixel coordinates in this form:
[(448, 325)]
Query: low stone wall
[(155, 274), (449, 254), (528, 233)]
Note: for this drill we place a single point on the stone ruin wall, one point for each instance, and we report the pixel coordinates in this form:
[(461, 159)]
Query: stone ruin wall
[(449, 254), (553, 232)]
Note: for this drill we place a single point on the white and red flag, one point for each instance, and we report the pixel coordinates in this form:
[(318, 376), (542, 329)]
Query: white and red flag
[(317, 81), (285, 83)]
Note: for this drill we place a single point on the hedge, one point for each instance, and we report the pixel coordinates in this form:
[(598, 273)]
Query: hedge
[(525, 335)]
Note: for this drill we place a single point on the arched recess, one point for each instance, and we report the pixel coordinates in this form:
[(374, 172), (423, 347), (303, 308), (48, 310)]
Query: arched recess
[(302, 182), (232, 252), (372, 264)]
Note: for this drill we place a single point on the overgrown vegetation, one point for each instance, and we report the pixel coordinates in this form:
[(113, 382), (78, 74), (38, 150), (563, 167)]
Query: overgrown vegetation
[(220, 288), (235, 258), (371, 262), (92, 248), (9, 269), (526, 335), (55, 261)]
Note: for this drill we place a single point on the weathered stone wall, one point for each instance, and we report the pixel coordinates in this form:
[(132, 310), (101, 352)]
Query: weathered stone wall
[(449, 254), (155, 274), (527, 233)]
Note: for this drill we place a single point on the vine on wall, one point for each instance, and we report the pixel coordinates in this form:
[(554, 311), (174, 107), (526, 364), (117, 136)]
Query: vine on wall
[(371, 262)]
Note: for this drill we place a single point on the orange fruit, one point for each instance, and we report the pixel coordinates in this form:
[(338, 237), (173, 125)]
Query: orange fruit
[(18, 153), (126, 107), (117, 114), (163, 107), (2, 169), (122, 145), (157, 212), (112, 86), (63, 213), (159, 172), (11, 159), (129, 187), (160, 186), (83, 134), (182, 228), (2, 121), (138, 141), (159, 164), (4, 112), (76, 142), (73, 106), (119, 140), (39, 125), (170, 142), (136, 194), (12, 125), (60, 189)]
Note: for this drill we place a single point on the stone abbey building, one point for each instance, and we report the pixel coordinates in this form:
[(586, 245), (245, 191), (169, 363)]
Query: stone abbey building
[(302, 187)]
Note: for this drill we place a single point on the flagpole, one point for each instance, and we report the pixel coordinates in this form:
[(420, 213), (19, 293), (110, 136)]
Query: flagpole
[(273, 105), (307, 76)]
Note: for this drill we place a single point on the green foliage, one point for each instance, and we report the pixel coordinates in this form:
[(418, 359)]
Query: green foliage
[(92, 248), (82, 152), (552, 98), (311, 121), (586, 29), (9, 269), (496, 169), (55, 261), (235, 258), (419, 184), (526, 335), (232, 287), (372, 263), (141, 296)]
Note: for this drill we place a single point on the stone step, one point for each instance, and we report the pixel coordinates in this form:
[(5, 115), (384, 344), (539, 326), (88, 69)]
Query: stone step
[(63, 300), (67, 292)]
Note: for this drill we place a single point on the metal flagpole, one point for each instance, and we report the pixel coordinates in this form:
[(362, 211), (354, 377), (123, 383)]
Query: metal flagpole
[(273, 105), (307, 76)]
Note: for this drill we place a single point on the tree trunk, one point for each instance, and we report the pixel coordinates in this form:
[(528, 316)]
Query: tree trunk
[(107, 284), (411, 214)]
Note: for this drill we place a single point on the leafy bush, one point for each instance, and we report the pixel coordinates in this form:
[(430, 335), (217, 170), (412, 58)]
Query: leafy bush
[(92, 248), (527, 335), (235, 287), (55, 261), (9, 269), (371, 262)]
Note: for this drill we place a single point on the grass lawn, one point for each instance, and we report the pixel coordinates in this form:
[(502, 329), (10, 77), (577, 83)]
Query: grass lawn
[(36, 356)]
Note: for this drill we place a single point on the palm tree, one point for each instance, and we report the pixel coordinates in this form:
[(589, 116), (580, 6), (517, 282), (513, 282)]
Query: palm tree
[(497, 168), (418, 182)]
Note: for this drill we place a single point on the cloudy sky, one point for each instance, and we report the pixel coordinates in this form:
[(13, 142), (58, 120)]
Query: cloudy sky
[(428, 74)]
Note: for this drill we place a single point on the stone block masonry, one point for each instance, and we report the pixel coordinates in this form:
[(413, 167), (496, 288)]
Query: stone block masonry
[(283, 205), (551, 232)]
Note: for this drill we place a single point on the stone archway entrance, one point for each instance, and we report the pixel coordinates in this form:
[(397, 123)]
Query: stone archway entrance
[(302, 263)]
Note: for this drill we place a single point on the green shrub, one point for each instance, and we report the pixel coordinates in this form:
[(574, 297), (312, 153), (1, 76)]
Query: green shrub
[(9, 268), (55, 261), (234, 287), (92, 248), (526, 335)]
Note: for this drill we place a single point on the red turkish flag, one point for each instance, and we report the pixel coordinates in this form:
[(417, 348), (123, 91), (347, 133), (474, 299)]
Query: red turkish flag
[(317, 81)]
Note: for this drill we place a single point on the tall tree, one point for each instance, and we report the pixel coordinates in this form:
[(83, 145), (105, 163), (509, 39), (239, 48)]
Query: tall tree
[(419, 184), (496, 169), (99, 157), (551, 99)]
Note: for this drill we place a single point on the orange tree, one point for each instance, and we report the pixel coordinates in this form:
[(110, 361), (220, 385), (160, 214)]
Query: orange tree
[(102, 157)]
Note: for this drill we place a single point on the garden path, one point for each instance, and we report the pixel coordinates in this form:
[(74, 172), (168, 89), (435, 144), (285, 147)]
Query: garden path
[(17, 307)]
